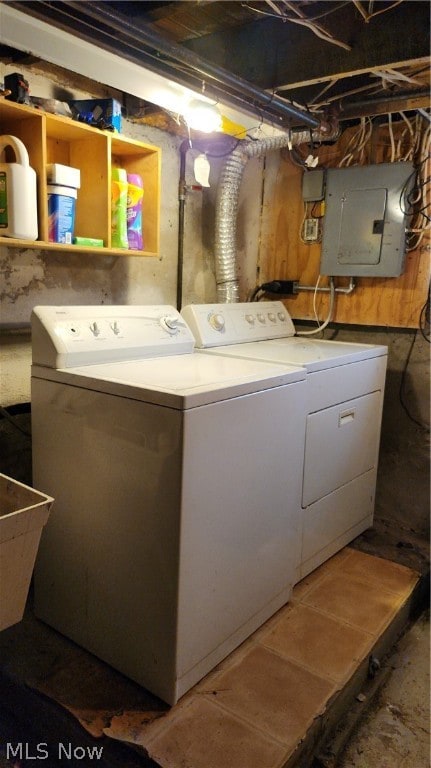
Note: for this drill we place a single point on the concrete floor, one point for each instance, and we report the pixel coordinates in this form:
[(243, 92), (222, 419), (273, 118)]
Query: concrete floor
[(54, 692), (394, 729), (395, 733)]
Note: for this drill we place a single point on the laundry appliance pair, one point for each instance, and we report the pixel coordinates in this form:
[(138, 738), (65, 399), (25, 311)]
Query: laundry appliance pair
[(192, 487)]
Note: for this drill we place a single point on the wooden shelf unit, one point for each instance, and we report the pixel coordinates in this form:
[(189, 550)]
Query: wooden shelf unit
[(55, 139)]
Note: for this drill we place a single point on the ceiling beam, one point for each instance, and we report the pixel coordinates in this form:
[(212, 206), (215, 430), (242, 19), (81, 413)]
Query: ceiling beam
[(383, 106), (274, 53), (284, 89)]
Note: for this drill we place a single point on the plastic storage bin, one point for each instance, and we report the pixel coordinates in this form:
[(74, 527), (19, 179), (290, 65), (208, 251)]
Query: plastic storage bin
[(23, 513)]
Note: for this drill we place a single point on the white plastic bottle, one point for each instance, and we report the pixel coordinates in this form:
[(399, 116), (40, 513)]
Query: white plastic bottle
[(18, 195)]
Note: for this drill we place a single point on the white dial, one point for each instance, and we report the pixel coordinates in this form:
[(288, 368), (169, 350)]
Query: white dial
[(261, 318), (250, 319), (115, 327), (272, 317), (216, 321), (282, 317), (170, 323)]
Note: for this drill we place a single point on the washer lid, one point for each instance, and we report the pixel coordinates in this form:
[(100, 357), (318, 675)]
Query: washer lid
[(180, 381), (314, 355)]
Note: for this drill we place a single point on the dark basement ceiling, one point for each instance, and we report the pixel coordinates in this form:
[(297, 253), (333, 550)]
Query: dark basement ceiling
[(361, 57)]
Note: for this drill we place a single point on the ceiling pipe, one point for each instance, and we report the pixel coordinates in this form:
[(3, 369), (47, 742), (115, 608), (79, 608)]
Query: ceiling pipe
[(139, 37), (206, 69)]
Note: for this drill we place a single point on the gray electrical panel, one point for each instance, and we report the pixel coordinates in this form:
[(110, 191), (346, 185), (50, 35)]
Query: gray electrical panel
[(365, 219)]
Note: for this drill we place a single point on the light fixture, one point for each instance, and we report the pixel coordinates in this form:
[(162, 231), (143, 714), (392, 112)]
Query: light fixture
[(202, 116)]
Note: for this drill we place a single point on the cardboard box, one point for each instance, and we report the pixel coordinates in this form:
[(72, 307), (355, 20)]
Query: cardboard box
[(98, 111), (23, 513)]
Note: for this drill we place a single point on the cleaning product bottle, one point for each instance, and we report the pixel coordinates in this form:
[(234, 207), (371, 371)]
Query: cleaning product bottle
[(18, 197), (135, 193), (119, 208)]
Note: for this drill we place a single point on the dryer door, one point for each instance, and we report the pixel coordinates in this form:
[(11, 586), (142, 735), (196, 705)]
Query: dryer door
[(341, 443)]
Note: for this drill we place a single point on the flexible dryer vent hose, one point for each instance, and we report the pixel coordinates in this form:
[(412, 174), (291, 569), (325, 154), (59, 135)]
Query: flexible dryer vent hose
[(227, 204)]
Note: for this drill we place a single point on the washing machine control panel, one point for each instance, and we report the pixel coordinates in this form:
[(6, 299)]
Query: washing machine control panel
[(63, 337), (216, 325)]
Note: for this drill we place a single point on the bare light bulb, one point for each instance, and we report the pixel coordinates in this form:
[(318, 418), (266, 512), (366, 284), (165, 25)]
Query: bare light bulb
[(202, 116)]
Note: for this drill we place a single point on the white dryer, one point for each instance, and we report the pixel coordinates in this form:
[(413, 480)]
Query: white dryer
[(175, 531), (345, 388)]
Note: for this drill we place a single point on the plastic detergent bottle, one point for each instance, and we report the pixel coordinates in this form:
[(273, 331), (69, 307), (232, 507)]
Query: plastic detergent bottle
[(18, 198), (119, 208), (135, 193)]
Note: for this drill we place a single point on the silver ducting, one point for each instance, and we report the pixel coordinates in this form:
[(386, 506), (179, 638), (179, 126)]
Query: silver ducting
[(227, 205)]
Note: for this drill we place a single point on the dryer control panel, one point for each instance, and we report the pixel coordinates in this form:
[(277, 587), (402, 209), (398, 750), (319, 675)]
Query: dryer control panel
[(63, 337), (215, 325)]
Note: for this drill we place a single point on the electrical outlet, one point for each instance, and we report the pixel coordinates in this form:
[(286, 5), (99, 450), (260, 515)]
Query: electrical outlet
[(311, 230)]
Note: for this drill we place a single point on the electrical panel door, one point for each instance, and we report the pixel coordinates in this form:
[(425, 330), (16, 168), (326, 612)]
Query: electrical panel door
[(365, 220)]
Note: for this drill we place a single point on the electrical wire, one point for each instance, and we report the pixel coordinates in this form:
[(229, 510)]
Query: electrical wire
[(330, 311), (254, 295), (391, 136), (402, 386), (424, 319), (310, 18)]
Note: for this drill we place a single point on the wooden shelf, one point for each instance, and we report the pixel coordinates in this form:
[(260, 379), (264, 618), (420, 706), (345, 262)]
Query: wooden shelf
[(56, 139)]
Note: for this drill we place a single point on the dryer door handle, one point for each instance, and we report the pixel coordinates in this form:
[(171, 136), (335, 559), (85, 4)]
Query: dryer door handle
[(345, 417)]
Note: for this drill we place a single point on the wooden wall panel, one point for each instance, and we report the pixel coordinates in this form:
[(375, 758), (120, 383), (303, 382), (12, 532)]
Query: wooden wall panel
[(393, 302)]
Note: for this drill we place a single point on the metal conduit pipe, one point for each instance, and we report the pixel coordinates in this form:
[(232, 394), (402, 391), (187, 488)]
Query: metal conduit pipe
[(227, 204), (147, 37), (326, 288), (181, 210)]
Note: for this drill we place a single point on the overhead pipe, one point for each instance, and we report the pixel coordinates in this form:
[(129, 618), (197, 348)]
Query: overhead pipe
[(252, 98), (181, 210), (206, 69)]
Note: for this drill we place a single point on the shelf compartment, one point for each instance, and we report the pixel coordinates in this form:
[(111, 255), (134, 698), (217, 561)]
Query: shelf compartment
[(57, 139), (143, 159), (90, 154)]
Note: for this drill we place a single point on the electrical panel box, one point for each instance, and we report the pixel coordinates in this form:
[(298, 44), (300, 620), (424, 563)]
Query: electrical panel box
[(365, 219)]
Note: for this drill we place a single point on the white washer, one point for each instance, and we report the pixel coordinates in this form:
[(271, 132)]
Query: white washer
[(345, 388), (175, 530)]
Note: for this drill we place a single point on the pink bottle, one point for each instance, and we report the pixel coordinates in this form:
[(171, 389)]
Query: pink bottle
[(135, 193)]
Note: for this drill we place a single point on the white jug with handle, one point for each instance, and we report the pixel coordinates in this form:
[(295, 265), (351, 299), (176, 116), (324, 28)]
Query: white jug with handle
[(18, 196)]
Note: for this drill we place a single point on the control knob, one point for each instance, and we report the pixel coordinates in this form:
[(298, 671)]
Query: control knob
[(216, 321), (170, 323), (94, 328)]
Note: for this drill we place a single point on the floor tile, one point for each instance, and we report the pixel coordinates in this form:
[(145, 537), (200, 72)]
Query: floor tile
[(273, 694), (204, 736), (391, 576), (309, 581), (358, 603), (328, 647)]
